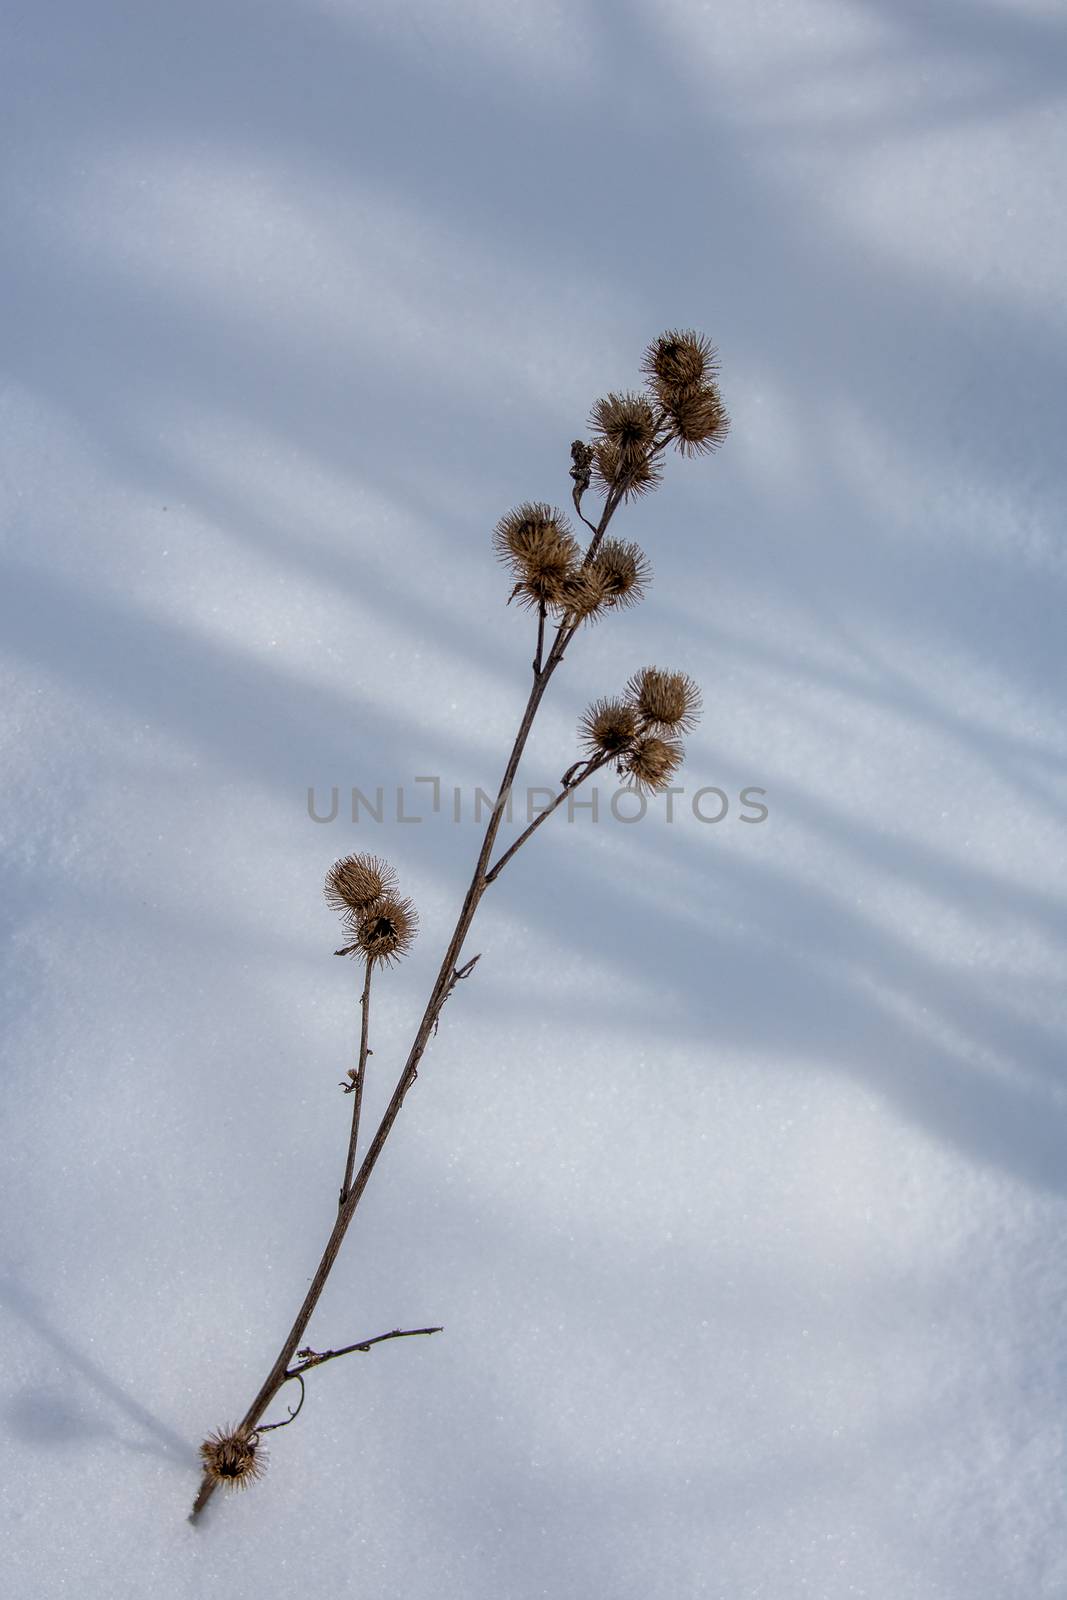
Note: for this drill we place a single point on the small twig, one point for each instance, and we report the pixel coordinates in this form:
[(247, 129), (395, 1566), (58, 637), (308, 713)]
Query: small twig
[(315, 1358), (458, 974), (268, 1427), (357, 1083)]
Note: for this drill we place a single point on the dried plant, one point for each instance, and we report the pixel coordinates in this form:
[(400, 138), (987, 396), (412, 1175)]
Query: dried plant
[(233, 1458), (637, 731)]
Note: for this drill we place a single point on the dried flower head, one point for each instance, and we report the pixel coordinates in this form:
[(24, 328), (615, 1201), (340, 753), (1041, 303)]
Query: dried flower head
[(678, 362), (666, 701), (536, 542), (586, 594), (652, 762), (629, 478), (521, 532), (617, 576), (608, 727), (700, 421), (624, 426), (625, 420), (386, 930), (353, 882), (622, 570), (233, 1457)]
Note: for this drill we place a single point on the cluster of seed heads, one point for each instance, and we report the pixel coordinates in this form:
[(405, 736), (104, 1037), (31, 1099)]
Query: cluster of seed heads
[(683, 407), (364, 890), (537, 543), (640, 730)]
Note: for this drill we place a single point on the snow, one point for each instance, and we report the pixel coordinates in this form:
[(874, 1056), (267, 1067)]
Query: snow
[(736, 1173)]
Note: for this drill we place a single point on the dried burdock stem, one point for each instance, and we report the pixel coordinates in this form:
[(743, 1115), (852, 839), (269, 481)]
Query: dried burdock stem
[(684, 401), (443, 985), (356, 1086)]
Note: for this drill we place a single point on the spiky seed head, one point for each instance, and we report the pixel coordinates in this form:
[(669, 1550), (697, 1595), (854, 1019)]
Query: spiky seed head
[(355, 881), (623, 570), (385, 931), (234, 1458), (678, 362), (523, 531), (699, 421), (629, 477), (586, 594), (665, 701), (608, 727), (536, 542), (624, 426), (617, 576), (625, 420), (546, 577), (652, 762)]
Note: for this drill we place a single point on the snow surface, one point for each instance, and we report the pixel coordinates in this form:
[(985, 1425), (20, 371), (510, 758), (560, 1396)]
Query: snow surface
[(737, 1172)]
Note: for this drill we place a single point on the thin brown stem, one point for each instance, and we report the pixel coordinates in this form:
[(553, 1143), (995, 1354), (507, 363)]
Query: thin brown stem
[(315, 1358), (357, 1086), (610, 505), (269, 1427), (594, 764), (541, 612), (443, 986)]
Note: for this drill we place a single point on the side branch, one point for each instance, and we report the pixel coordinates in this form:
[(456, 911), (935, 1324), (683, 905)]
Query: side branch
[(315, 1358), (571, 781)]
